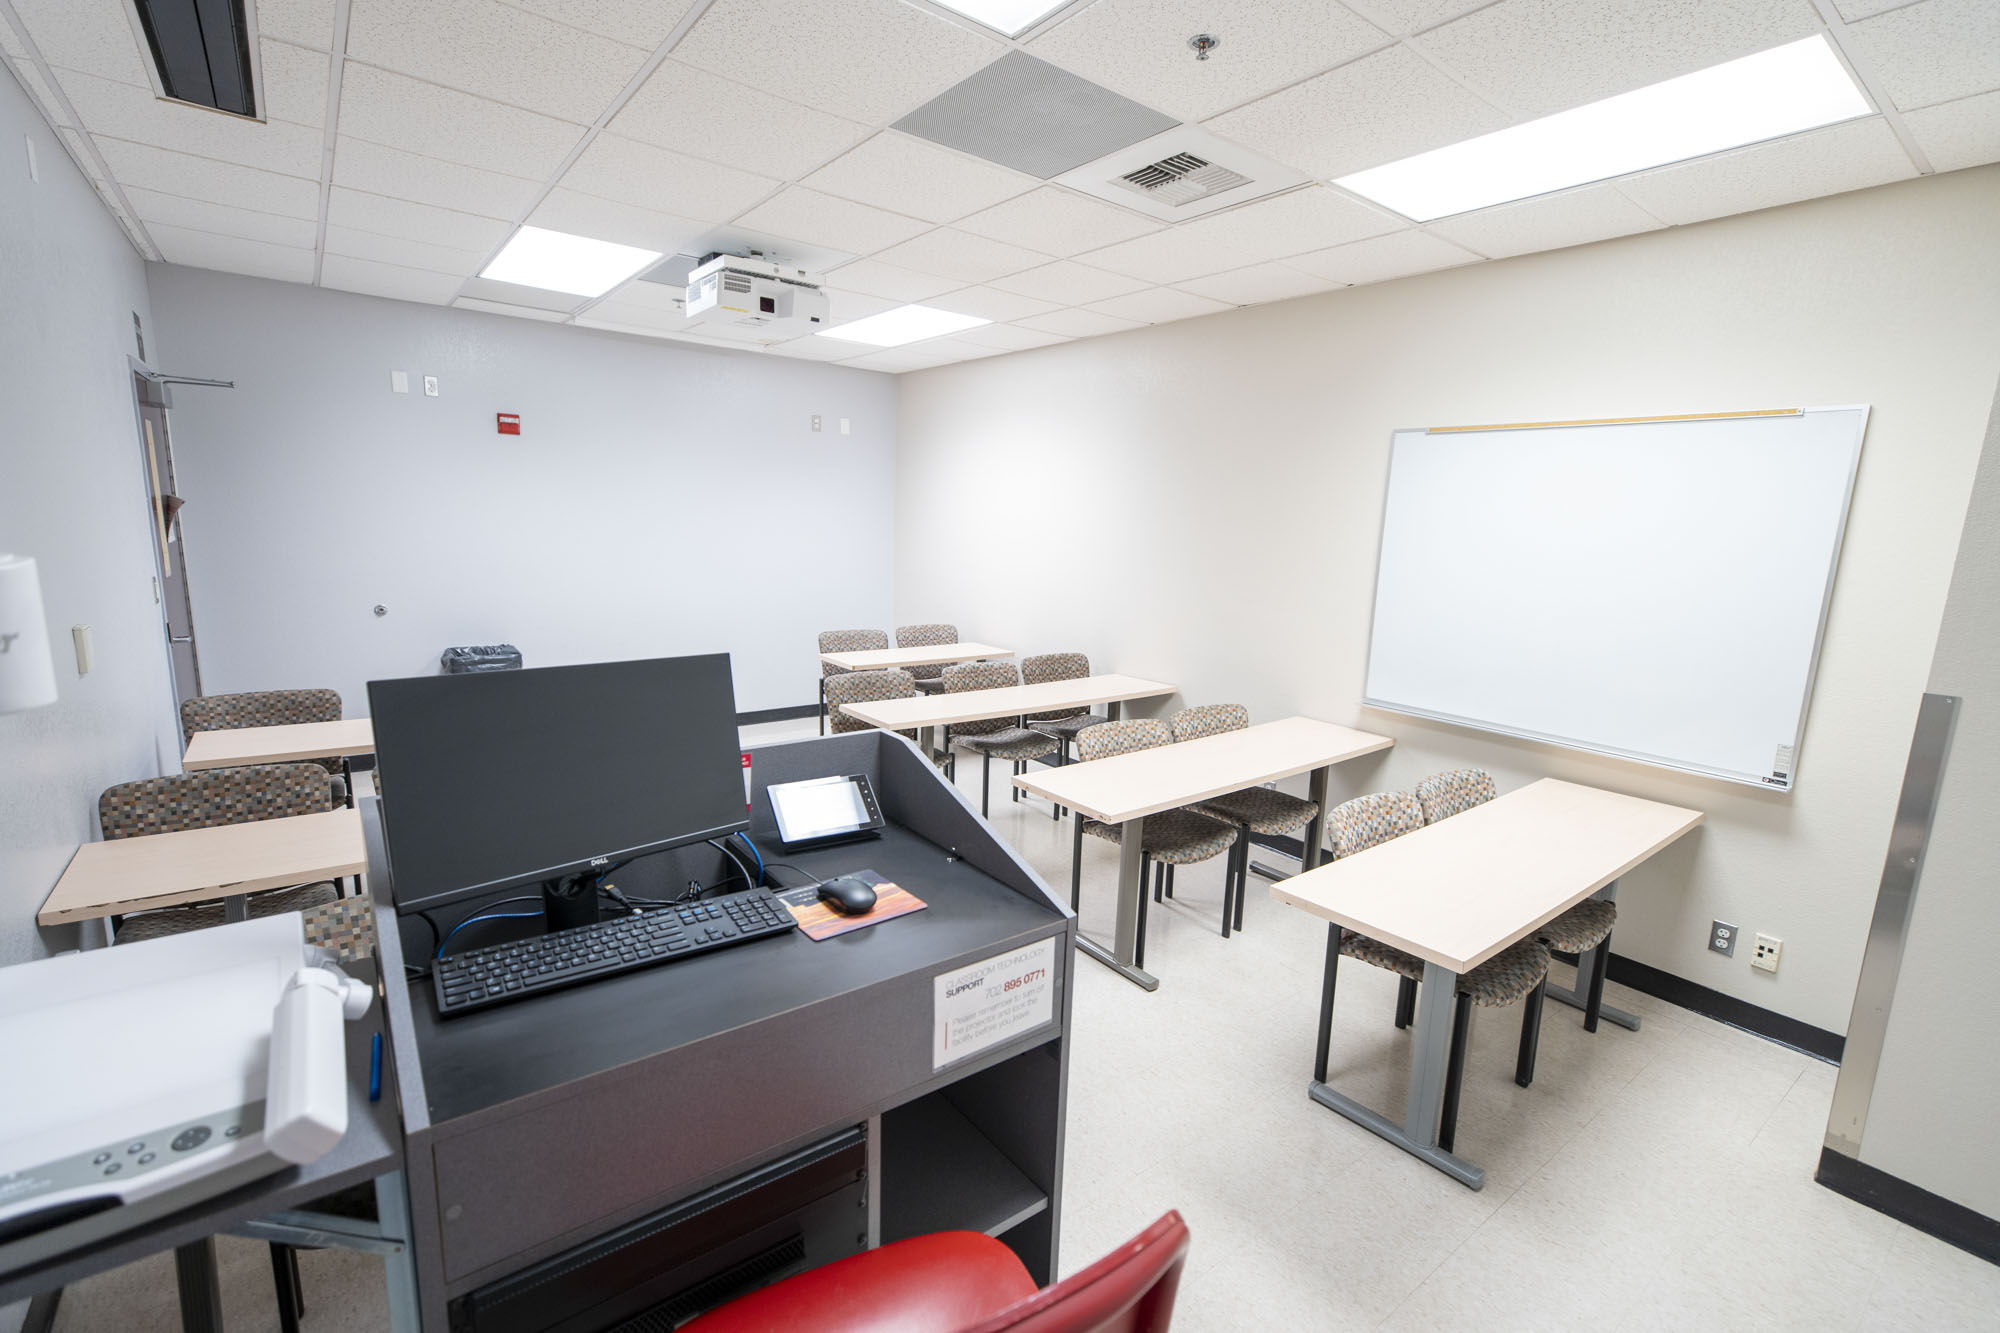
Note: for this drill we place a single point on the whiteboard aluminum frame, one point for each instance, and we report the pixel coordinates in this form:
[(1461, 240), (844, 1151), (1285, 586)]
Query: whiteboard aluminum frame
[(1763, 782)]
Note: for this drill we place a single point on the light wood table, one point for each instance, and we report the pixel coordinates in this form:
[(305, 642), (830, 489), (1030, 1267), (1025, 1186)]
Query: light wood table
[(925, 713), (1127, 788), (885, 659), (238, 746), (199, 865), (1457, 892)]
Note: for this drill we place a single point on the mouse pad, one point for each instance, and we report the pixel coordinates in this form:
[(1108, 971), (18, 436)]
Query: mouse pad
[(821, 922)]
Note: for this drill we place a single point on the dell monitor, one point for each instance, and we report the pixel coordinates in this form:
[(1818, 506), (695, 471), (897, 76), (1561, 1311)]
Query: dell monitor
[(548, 776)]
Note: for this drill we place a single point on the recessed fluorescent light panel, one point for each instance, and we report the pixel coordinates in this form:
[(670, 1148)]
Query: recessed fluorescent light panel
[(1010, 17), (556, 261), (904, 324), (1799, 86)]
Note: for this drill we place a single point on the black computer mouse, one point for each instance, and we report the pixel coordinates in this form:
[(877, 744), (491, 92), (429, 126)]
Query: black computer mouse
[(849, 895)]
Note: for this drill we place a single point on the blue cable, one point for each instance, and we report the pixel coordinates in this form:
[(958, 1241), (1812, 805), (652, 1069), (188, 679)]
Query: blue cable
[(483, 916), (753, 851)]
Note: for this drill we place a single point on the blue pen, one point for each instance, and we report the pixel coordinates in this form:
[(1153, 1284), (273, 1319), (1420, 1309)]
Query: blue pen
[(375, 1069)]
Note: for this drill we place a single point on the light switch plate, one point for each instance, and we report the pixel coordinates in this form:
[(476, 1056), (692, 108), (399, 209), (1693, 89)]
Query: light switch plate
[(845, 429), (399, 381)]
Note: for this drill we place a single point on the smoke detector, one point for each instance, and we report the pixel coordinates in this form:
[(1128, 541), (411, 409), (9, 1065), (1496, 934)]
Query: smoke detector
[(1180, 174)]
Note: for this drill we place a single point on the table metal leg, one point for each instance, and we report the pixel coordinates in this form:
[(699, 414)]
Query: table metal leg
[(200, 1288), (1430, 1055), (1315, 833), (236, 907), (392, 1208), (1122, 958), (1578, 997)]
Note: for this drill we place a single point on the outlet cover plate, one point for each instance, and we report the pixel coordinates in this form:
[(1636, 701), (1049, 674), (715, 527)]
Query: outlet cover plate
[(1722, 938), (1765, 959)]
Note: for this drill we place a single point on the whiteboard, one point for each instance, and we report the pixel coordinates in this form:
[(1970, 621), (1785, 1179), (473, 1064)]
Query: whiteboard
[(1653, 589)]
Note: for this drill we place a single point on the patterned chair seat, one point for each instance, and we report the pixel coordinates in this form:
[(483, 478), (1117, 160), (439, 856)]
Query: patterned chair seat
[(1264, 810), (1066, 728), (165, 921), (346, 928), (1175, 837), (1010, 743), (1584, 926), (1501, 980)]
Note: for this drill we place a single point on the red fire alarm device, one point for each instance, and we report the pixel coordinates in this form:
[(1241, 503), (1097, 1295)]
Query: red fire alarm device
[(510, 423)]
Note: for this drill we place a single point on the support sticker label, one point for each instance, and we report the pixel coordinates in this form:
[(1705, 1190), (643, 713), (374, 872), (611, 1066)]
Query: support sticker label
[(992, 1001)]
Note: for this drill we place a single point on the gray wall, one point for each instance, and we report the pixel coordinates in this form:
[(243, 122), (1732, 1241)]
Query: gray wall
[(1930, 1120), (662, 498), (72, 495)]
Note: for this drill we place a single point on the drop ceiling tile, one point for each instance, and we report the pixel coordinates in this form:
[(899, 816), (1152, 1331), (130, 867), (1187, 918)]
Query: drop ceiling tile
[(608, 220), (655, 296), (232, 254), (820, 219), (1306, 219), (961, 255), (1257, 284), (1844, 157), (294, 83), (1139, 48), (1010, 337), (502, 308), (1056, 221), (392, 172), (93, 37), (1965, 133), (812, 348), (638, 316), (1157, 305), (664, 181), (39, 92), (406, 253), (865, 60), (644, 23), (122, 111), (1077, 323), (1403, 17), (1548, 222), (413, 222), (1067, 283), (300, 22), (1854, 10), (909, 175), (391, 280), (495, 51), (222, 219), (1383, 257), (1380, 108), (400, 112), (1933, 52), (511, 293), (961, 349), (694, 111), (150, 168), (992, 303), (846, 307), (896, 360), (887, 280), (1543, 56)]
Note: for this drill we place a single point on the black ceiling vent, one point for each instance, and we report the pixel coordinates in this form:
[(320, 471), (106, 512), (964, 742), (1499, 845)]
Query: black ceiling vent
[(202, 51)]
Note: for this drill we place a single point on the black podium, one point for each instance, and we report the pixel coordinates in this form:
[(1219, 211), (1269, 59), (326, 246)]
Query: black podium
[(621, 1154)]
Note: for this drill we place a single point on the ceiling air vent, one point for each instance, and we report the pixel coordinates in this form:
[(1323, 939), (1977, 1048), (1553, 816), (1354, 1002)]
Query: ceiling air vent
[(202, 52), (1182, 179), (1181, 174)]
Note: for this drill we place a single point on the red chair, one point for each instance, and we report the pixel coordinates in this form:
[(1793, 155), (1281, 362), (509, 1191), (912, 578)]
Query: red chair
[(965, 1282)]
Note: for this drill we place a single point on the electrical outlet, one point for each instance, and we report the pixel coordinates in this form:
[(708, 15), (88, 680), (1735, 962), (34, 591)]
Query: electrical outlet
[(1722, 938), (815, 421), (1765, 959), (430, 386)]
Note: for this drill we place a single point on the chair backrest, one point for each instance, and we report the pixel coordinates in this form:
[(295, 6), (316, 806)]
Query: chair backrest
[(1366, 821), (261, 708), (1130, 1290), (1045, 667), (980, 676), (1110, 738), (860, 687), (1191, 724), (848, 641), (926, 636), (1443, 795), (211, 797)]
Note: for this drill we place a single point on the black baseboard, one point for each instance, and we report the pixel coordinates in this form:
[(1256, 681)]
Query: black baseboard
[(1912, 1205), (777, 714), (1772, 1026)]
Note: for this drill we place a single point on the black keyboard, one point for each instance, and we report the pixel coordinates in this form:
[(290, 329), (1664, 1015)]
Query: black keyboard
[(479, 978)]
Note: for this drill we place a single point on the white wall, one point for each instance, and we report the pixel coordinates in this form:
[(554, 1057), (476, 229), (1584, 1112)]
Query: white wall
[(1214, 488), (73, 496), (1930, 1119), (661, 499)]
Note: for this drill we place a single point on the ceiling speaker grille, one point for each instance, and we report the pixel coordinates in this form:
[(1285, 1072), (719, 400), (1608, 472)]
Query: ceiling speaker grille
[(1181, 179)]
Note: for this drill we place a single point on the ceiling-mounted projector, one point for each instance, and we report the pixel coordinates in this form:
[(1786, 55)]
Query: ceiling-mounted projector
[(754, 300)]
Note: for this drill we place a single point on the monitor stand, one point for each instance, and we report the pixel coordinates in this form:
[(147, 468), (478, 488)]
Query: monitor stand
[(569, 902)]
